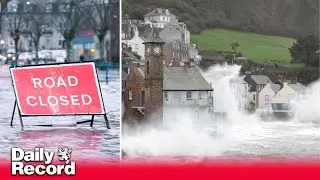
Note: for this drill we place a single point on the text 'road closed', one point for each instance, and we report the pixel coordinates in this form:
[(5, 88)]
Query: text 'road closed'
[(64, 100), (62, 89)]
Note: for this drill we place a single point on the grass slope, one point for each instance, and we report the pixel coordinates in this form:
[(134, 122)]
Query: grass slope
[(263, 49)]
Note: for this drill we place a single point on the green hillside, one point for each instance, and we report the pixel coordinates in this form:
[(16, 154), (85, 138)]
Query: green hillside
[(260, 48)]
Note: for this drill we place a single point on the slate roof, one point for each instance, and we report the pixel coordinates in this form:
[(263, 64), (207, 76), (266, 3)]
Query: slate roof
[(298, 87), (184, 79), (275, 87), (261, 79), (154, 37)]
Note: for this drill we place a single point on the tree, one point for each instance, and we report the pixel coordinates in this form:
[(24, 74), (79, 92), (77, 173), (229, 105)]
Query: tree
[(98, 15), (68, 20), (37, 24), (234, 46), (14, 24), (304, 50)]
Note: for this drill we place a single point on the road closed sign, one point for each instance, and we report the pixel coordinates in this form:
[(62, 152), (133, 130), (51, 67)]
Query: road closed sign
[(63, 89)]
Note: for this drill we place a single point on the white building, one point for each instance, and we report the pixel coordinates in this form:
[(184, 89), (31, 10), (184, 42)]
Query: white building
[(288, 93), (266, 94), (160, 17), (185, 87), (194, 53)]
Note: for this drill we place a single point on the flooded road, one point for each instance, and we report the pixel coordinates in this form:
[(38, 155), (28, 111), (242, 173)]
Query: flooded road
[(86, 142)]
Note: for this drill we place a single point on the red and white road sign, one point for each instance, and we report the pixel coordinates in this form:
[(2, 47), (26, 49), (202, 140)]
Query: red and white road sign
[(57, 89)]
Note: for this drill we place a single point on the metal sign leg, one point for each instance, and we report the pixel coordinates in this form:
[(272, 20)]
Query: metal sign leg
[(107, 121), (92, 118), (20, 119), (14, 109)]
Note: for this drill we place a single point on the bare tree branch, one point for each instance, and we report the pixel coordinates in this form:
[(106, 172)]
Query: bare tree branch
[(37, 24), (14, 23), (68, 20), (98, 14)]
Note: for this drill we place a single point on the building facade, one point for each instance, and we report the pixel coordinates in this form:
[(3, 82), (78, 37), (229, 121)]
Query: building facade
[(266, 95), (160, 17), (289, 92)]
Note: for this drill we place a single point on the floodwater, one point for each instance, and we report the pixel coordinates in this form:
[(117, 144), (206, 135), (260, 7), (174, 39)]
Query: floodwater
[(86, 142), (237, 135)]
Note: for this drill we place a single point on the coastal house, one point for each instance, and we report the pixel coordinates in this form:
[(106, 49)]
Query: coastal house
[(256, 84), (140, 34), (134, 93), (288, 93), (266, 94), (160, 17), (185, 87)]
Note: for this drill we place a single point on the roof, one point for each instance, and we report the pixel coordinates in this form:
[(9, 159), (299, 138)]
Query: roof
[(261, 79), (133, 56), (275, 87), (154, 37), (239, 80), (159, 11), (298, 87), (185, 79)]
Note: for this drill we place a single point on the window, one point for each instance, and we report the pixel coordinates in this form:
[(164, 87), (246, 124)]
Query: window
[(60, 42), (166, 95), (189, 95), (130, 95), (200, 95), (136, 46), (48, 8), (254, 97), (266, 97)]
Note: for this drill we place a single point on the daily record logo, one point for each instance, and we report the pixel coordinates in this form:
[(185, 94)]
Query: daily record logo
[(22, 162)]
